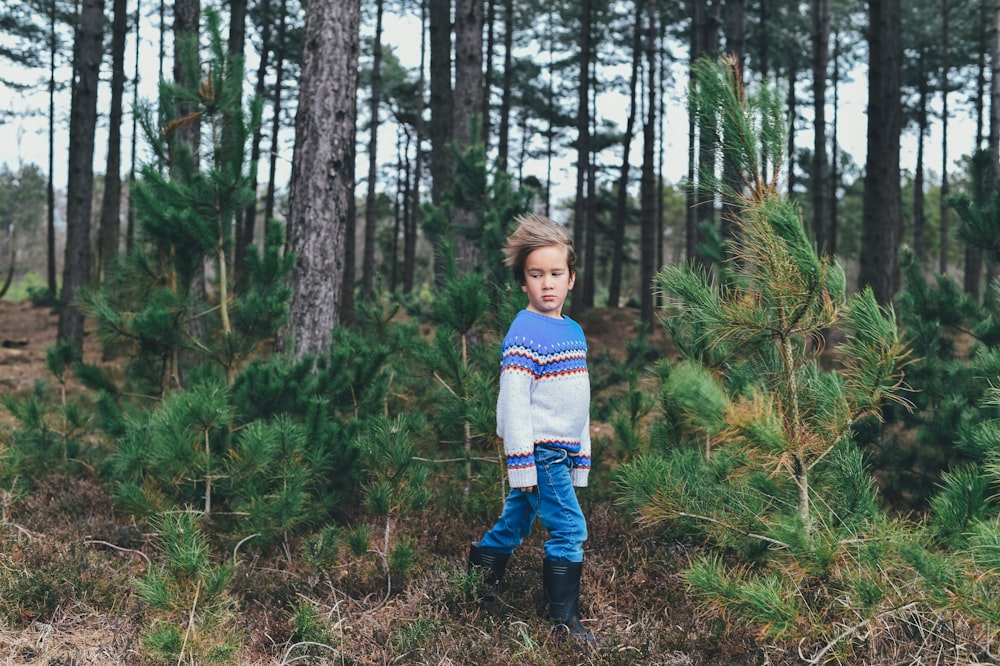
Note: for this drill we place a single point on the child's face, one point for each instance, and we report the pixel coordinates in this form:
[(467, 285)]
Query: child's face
[(547, 280)]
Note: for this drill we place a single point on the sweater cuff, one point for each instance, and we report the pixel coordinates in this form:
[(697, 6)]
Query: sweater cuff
[(522, 477), (579, 476)]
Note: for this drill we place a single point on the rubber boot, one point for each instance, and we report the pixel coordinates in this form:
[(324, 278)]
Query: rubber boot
[(494, 564), (561, 581)]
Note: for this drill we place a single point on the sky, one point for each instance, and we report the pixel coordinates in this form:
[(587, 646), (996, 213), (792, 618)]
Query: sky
[(23, 140)]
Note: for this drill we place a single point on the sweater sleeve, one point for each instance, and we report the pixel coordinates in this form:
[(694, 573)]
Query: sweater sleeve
[(514, 426), (581, 461)]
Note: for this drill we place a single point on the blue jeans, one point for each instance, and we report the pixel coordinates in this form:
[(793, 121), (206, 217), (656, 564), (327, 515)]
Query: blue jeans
[(553, 502)]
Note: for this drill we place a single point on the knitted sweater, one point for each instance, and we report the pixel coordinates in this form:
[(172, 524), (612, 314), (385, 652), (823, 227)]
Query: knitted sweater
[(544, 395)]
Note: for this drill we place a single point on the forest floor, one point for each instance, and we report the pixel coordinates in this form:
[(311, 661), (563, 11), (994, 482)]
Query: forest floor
[(68, 563)]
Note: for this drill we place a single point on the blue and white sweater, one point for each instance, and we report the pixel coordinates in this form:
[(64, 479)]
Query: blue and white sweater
[(544, 395)]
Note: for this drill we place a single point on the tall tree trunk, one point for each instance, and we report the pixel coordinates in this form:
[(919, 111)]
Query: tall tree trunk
[(945, 187), (488, 72), (236, 45), (468, 104), (982, 35), (247, 229), (881, 216), (441, 98), (110, 225), (648, 179), (621, 202), (279, 76), (586, 285), (707, 142), (80, 183), (410, 245), (793, 112), (187, 17), (368, 261), (50, 193), (321, 184), (581, 207), (503, 134), (691, 231), (820, 15), (919, 247), (734, 27), (130, 229), (835, 147)]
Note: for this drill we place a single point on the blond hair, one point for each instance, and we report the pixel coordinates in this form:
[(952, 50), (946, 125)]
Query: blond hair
[(534, 232)]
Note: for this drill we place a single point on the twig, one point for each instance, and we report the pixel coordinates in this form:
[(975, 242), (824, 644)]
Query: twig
[(242, 541), (847, 632), (709, 519), (284, 657), (91, 542), (187, 632), (451, 460)]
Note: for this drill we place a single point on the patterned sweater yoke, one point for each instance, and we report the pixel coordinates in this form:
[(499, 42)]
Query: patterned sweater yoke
[(544, 395)]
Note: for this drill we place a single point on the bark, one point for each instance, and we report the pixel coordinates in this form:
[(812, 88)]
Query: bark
[(484, 111), (368, 261), (621, 203), (582, 206), (919, 217), (321, 184), (247, 229), (441, 98), (187, 16), (881, 216), (468, 103), (503, 134), (80, 183), (279, 75), (410, 243), (820, 15), (734, 27), (130, 229), (648, 181), (835, 144), (110, 227), (50, 193)]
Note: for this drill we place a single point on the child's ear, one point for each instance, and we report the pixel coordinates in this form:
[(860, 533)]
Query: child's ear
[(572, 279)]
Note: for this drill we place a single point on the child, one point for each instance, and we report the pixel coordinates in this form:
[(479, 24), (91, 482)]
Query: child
[(543, 416)]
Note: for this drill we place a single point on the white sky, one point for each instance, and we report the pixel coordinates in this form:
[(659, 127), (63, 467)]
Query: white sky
[(24, 139)]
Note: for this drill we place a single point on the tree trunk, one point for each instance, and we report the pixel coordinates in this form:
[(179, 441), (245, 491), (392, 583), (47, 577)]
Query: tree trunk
[(441, 98), (368, 260), (581, 207), (503, 135), (80, 184), (707, 143), (621, 202), (648, 180), (820, 15), (835, 145), (919, 248), (881, 216), (110, 226), (321, 182), (734, 27), (50, 239), (130, 228), (279, 74), (468, 104), (187, 17), (247, 229), (488, 72), (410, 244)]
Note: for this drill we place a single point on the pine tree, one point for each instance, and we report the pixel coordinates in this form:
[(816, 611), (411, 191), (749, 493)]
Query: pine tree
[(756, 451)]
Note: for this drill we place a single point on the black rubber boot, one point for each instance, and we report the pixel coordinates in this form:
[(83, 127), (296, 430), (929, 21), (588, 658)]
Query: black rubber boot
[(494, 563), (562, 591)]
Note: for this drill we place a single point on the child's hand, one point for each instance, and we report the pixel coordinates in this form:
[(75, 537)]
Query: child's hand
[(529, 489)]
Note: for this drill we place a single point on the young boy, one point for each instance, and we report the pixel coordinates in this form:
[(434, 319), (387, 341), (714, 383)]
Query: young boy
[(543, 416)]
